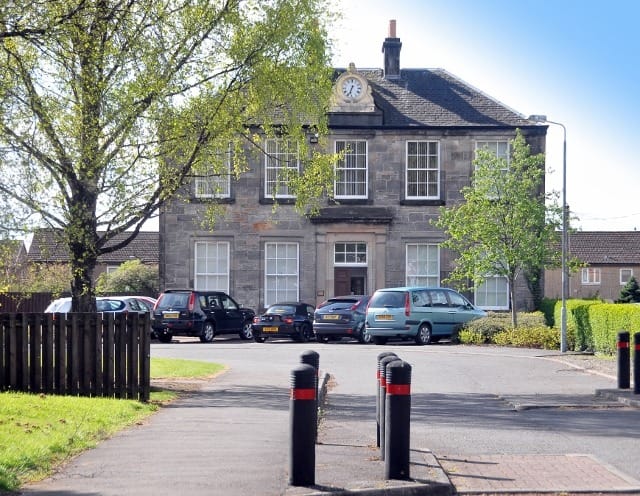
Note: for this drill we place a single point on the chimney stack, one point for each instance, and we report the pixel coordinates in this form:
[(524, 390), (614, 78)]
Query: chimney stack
[(391, 49)]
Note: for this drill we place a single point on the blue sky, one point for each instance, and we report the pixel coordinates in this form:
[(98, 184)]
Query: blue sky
[(577, 62)]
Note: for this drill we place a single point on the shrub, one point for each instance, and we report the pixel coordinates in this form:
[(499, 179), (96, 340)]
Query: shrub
[(484, 331), (542, 336)]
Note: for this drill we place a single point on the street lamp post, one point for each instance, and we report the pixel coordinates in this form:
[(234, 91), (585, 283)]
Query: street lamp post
[(565, 232)]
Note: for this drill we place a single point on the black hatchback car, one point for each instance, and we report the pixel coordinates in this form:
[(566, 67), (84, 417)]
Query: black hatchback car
[(288, 319), (204, 314), (342, 316)]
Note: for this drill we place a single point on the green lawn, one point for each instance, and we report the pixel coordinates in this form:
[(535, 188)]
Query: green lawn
[(38, 432)]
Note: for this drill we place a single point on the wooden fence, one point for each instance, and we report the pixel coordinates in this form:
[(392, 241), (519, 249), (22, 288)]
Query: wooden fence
[(81, 354)]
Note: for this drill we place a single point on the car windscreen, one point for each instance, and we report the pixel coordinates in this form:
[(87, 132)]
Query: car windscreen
[(390, 299), (281, 309), (338, 305), (173, 300), (110, 305)]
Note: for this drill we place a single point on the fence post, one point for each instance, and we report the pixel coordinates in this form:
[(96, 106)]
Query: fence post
[(302, 405), (624, 372), (382, 355), (398, 421), (383, 397)]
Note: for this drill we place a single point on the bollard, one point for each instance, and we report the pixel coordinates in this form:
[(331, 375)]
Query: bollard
[(382, 355), (636, 363), (383, 397), (302, 409), (312, 358), (398, 421), (624, 371)]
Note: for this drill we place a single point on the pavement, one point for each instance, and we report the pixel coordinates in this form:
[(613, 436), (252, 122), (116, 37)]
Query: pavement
[(240, 447)]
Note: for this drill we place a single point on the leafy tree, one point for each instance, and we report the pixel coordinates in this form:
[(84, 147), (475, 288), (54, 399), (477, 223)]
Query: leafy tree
[(44, 278), (630, 293), (131, 276), (108, 109), (506, 224)]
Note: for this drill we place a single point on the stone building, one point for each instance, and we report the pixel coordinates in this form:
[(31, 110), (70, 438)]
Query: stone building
[(410, 136)]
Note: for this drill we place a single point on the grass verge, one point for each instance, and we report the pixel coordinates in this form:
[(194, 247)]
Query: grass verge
[(39, 432)]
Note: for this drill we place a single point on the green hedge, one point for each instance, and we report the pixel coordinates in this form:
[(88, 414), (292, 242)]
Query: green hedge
[(608, 319)]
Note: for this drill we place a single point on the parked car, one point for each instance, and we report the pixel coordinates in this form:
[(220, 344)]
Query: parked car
[(105, 304), (203, 314), (288, 319), (342, 316), (423, 314)]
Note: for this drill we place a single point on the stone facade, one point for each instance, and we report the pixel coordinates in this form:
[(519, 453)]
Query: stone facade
[(418, 105)]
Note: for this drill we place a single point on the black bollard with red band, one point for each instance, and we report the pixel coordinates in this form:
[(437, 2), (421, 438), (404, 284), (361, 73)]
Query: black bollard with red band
[(624, 370), (636, 363), (383, 396), (312, 358), (303, 411), (397, 421), (378, 419)]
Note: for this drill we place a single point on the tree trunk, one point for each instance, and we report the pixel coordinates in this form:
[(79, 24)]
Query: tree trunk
[(512, 300), (82, 239)]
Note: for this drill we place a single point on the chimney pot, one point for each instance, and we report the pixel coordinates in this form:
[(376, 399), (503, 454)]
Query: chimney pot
[(392, 28)]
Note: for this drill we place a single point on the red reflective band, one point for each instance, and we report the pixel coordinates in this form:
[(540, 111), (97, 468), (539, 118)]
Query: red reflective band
[(637, 348), (623, 344), (383, 381), (378, 374), (399, 389), (303, 394)]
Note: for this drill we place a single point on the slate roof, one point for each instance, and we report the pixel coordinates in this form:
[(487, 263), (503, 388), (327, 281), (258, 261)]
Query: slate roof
[(47, 246), (436, 98), (606, 247)]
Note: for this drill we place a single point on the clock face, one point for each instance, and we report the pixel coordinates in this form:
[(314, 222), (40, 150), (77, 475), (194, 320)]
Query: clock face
[(352, 88)]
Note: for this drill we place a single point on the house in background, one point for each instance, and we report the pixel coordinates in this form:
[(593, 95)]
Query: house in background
[(409, 137), (45, 246), (611, 258)]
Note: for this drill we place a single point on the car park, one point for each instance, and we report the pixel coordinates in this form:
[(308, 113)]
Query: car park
[(199, 313), (287, 319), (423, 314), (342, 316)]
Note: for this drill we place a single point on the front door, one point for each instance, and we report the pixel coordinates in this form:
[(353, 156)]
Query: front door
[(350, 280)]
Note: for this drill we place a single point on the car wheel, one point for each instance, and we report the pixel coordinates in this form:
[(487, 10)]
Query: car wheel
[(305, 333), (247, 331), (259, 338), (322, 339), (165, 337), (208, 331), (424, 334), (379, 340), (363, 336)]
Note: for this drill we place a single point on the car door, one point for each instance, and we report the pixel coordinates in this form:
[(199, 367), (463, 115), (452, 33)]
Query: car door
[(444, 319), (230, 315), (463, 310)]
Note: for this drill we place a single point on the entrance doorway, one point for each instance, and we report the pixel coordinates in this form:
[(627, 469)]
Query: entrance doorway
[(350, 280)]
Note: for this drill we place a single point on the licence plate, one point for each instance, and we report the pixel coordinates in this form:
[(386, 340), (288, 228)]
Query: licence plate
[(170, 315), (269, 329), (331, 317), (384, 317)]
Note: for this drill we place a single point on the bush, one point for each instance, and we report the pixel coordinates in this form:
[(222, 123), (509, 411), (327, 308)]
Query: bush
[(544, 337), (485, 330)]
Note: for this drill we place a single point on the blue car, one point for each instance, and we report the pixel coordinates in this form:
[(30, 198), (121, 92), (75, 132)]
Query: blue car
[(420, 313)]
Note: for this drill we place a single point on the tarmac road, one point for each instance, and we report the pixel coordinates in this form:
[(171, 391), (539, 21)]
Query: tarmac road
[(473, 408)]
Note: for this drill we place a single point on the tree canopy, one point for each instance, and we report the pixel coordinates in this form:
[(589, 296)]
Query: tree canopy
[(506, 225), (109, 107)]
